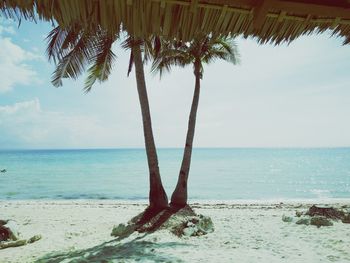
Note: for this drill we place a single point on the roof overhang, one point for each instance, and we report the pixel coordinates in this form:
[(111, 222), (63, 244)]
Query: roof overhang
[(267, 20)]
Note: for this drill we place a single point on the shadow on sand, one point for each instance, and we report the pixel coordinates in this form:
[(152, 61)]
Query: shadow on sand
[(117, 251), (111, 252)]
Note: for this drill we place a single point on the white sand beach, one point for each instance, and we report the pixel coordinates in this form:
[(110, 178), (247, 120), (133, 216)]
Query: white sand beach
[(79, 231)]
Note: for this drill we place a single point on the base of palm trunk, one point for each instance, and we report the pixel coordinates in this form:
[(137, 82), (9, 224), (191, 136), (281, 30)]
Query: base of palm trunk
[(179, 198), (179, 221), (178, 205), (158, 199)]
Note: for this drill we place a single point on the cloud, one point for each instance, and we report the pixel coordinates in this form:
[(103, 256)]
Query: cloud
[(7, 29), (27, 125), (14, 69), (25, 107)]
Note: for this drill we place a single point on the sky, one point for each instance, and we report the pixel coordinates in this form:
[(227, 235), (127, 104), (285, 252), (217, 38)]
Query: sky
[(295, 95)]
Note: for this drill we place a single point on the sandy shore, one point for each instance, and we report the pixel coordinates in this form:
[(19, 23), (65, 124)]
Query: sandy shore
[(79, 231)]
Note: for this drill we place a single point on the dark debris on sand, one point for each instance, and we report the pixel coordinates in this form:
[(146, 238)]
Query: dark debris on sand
[(328, 212), (320, 216)]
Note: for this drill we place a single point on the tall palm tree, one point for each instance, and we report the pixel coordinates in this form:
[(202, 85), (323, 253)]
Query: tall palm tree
[(75, 48), (201, 50)]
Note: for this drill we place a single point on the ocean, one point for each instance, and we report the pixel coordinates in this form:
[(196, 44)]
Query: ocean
[(216, 174)]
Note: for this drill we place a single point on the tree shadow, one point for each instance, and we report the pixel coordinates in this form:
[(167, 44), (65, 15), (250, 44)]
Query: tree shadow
[(112, 251)]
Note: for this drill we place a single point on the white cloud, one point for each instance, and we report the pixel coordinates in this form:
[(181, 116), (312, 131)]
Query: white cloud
[(8, 29), (7, 26), (14, 69), (19, 107), (29, 126)]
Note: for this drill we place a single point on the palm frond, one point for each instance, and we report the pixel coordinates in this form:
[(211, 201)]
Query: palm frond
[(230, 47), (73, 60), (12, 10), (152, 47), (220, 48), (102, 62), (171, 54), (130, 42), (75, 48), (202, 49), (55, 40)]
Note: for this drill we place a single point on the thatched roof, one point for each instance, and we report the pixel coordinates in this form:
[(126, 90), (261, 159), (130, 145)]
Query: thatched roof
[(267, 20)]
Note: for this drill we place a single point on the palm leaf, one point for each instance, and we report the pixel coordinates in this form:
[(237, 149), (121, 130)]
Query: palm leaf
[(55, 40), (74, 61), (102, 63), (202, 49)]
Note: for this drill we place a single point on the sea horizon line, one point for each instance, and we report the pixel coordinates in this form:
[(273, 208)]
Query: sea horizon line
[(178, 148)]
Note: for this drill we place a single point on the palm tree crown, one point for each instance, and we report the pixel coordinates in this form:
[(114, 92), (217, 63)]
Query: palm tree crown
[(75, 48), (203, 49)]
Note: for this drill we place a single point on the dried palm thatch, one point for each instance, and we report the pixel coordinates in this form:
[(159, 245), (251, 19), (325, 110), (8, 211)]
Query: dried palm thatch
[(273, 21)]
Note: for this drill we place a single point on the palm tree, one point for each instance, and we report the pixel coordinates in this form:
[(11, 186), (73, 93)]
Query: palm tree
[(201, 50), (75, 48)]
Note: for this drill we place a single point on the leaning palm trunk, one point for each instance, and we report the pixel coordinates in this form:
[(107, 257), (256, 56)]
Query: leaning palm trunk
[(179, 196), (157, 195)]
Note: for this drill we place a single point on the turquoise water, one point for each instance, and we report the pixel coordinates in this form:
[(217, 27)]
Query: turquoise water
[(219, 174)]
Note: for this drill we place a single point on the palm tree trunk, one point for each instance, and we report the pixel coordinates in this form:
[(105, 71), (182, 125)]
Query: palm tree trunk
[(179, 196), (157, 195)]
